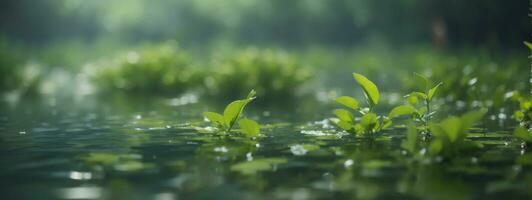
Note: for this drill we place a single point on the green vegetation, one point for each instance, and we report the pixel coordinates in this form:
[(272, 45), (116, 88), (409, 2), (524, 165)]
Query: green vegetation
[(274, 74), (450, 135), (421, 114), (160, 69), (232, 115), (369, 123)]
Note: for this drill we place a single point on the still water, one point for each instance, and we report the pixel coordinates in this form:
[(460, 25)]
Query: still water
[(131, 148)]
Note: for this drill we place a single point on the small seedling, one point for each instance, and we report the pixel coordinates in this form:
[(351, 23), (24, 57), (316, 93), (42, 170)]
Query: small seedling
[(369, 122), (421, 114), (451, 133), (232, 115), (524, 135), (524, 114)]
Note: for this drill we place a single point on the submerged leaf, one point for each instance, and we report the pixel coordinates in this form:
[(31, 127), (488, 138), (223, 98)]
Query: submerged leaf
[(347, 101), (370, 89), (257, 165)]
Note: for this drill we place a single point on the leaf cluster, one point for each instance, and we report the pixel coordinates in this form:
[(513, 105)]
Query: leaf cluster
[(232, 115), (369, 122)]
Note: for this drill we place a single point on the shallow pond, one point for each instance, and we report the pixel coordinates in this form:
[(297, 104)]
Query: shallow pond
[(125, 148)]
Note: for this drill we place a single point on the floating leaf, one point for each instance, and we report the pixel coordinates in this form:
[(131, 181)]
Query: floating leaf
[(348, 102), (249, 127), (370, 89), (401, 110)]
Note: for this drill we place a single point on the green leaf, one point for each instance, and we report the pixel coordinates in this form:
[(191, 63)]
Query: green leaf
[(519, 115), (411, 142), (370, 89), (528, 44), (368, 121), (233, 111), (249, 127), (424, 79), (346, 126), (523, 134), (451, 127), (214, 118), (470, 118), (412, 100), (235, 108), (401, 110), (433, 90), (419, 95), (348, 102), (436, 147), (344, 115)]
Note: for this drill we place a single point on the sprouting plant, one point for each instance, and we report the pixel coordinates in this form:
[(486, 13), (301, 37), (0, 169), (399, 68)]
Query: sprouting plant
[(524, 114), (525, 135), (369, 122), (232, 115), (423, 113), (450, 135)]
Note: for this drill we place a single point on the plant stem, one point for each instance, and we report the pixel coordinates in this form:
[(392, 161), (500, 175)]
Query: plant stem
[(427, 103)]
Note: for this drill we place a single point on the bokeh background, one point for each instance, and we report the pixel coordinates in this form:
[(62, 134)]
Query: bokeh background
[(223, 48)]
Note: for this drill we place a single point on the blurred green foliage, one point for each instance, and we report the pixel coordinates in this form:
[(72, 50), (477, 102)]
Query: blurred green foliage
[(274, 74), (161, 69), (296, 22), (10, 64)]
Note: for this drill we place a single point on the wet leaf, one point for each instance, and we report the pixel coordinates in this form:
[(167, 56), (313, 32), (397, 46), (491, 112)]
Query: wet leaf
[(344, 115), (370, 89), (348, 102), (432, 91), (214, 117), (401, 110), (249, 127)]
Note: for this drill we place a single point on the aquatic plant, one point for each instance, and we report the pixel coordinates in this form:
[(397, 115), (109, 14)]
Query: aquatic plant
[(524, 112), (273, 74), (450, 135), (162, 69), (369, 122), (232, 115), (421, 114)]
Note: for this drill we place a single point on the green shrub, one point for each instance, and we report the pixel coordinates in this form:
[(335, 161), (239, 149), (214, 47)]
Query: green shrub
[(155, 70), (273, 74)]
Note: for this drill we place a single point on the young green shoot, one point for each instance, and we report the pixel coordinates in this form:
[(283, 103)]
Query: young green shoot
[(421, 114), (369, 123), (232, 115), (450, 135)]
